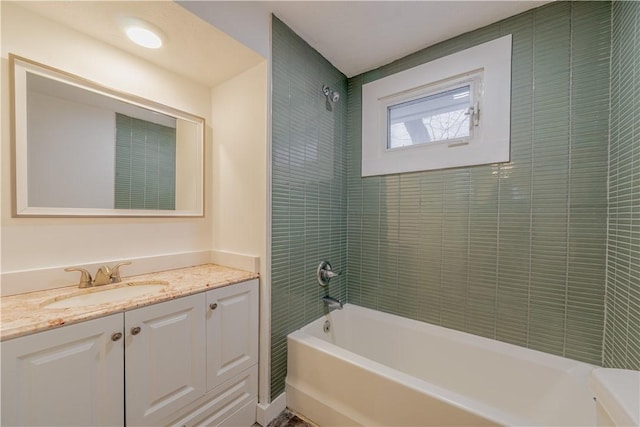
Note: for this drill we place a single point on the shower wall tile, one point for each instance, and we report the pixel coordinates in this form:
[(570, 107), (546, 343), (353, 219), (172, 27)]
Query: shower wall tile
[(588, 177), (622, 325), (512, 251), (308, 189)]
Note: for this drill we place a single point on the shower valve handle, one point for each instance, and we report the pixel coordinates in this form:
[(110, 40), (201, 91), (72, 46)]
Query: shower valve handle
[(325, 273), (329, 274)]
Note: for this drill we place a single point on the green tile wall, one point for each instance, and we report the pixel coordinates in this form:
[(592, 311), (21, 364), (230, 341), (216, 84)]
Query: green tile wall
[(145, 164), (622, 327), (512, 251), (309, 200)]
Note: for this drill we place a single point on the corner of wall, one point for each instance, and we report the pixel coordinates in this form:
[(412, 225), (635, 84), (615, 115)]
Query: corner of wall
[(269, 411)]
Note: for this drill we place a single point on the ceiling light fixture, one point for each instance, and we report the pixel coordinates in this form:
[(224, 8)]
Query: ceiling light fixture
[(144, 34)]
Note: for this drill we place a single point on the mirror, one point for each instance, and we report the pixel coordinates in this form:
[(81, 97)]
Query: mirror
[(85, 150)]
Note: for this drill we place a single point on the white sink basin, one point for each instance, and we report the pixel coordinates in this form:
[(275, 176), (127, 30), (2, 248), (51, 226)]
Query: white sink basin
[(120, 293)]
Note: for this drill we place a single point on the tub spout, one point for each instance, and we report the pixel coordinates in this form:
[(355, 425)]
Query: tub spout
[(331, 303)]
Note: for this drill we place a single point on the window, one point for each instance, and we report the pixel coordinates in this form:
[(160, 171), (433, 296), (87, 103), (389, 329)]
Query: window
[(444, 116), (454, 111)]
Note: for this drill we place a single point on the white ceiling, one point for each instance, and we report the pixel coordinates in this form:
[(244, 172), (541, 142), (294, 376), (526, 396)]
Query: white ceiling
[(355, 36), (193, 48)]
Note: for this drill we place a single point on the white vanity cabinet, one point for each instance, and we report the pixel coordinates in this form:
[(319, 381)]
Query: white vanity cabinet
[(164, 358), (187, 361), (232, 331), (232, 360), (66, 376)]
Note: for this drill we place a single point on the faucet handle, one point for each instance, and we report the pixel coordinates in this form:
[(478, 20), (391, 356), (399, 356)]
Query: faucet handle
[(115, 271), (330, 274), (325, 273), (85, 276)]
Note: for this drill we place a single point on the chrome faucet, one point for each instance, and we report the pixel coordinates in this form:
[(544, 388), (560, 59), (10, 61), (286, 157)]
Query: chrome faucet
[(332, 303), (325, 273), (104, 276)]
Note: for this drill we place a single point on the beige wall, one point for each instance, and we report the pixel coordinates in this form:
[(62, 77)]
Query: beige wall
[(36, 249), (35, 243), (239, 187)]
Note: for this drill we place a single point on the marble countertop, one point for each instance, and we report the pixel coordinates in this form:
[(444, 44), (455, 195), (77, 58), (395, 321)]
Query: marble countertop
[(26, 313)]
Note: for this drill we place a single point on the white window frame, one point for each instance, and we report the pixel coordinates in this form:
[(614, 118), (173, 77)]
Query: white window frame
[(472, 79), (488, 65)]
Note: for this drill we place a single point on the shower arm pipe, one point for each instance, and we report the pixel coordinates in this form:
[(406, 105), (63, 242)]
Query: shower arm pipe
[(331, 95)]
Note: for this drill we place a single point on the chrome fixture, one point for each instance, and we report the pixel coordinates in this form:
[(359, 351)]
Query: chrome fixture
[(104, 276), (326, 327), (325, 273), (331, 303), (331, 95)]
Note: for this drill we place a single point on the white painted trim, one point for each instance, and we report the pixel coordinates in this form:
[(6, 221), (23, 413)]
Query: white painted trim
[(21, 68), (490, 142), (18, 282), (239, 261), (268, 412), (264, 349)]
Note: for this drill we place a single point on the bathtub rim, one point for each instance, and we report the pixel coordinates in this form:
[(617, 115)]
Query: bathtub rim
[(613, 390), (567, 365), (605, 384), (449, 397), (453, 398)]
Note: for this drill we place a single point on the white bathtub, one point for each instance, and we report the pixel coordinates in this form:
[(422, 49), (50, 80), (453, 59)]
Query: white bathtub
[(376, 369)]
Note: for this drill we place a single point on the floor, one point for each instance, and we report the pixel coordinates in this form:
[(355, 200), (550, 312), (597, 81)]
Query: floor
[(289, 419)]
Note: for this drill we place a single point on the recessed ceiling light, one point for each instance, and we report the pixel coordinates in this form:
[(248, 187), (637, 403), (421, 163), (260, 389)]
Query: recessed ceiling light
[(144, 34)]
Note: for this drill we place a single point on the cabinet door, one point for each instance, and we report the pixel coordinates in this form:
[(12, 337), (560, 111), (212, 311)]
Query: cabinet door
[(165, 358), (232, 331), (71, 376)]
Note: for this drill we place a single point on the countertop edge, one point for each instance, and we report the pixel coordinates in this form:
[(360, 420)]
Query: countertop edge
[(32, 323)]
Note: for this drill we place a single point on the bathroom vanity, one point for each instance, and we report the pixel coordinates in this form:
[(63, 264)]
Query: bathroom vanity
[(184, 355)]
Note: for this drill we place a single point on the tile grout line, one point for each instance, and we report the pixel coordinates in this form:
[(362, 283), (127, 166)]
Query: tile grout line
[(630, 281), (569, 171), (466, 293), (531, 187), (442, 235), (608, 196)]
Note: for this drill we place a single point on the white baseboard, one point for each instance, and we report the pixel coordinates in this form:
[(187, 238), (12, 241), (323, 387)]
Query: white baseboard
[(269, 411)]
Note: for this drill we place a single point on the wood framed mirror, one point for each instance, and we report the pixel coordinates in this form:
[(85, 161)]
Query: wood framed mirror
[(81, 149)]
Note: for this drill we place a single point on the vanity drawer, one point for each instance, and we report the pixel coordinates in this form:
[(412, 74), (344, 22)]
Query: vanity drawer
[(231, 403)]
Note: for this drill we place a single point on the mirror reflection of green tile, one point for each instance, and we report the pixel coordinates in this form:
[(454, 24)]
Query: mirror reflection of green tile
[(145, 164)]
